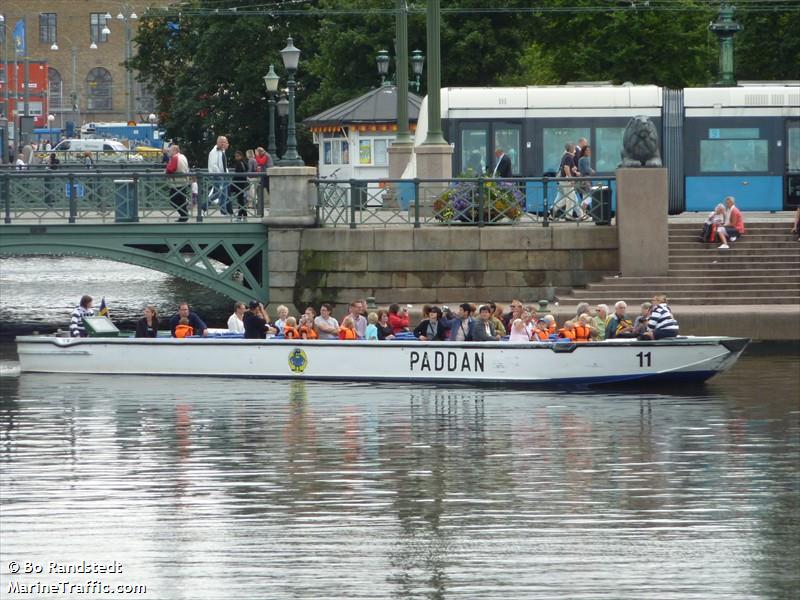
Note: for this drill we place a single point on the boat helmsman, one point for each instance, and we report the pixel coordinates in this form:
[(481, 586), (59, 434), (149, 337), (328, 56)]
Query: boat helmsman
[(84, 309)]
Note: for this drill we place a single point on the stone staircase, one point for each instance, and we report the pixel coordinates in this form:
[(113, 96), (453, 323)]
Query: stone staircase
[(763, 267)]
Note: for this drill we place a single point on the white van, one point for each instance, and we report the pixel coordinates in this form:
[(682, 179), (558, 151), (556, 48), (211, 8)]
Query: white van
[(74, 150)]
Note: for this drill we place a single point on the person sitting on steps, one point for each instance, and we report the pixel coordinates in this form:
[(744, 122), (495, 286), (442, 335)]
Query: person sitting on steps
[(734, 224)]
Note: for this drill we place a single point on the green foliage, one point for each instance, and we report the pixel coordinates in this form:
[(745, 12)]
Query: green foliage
[(207, 71)]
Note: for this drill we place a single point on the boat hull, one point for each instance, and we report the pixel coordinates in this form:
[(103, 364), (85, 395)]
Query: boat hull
[(591, 363)]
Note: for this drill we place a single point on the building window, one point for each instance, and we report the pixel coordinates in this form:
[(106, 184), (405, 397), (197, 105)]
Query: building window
[(47, 28), (98, 84), (97, 21), (55, 89)]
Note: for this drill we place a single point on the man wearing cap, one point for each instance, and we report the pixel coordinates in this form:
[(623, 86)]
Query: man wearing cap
[(256, 322)]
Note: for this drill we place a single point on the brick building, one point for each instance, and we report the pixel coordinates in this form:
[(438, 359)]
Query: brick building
[(84, 44)]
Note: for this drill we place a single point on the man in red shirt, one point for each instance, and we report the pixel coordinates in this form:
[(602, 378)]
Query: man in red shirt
[(734, 224), (177, 169)]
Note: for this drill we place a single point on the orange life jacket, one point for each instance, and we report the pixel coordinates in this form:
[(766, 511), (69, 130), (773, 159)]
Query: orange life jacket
[(182, 331), (566, 333), (582, 332), (347, 334), (290, 333), (540, 335), (308, 333)]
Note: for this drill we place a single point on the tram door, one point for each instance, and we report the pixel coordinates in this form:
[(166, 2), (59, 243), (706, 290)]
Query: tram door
[(478, 141), (792, 186)]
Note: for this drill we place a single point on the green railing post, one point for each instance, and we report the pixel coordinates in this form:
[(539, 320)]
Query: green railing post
[(7, 197), (545, 212), (481, 200), (353, 199), (73, 201), (135, 199), (416, 203)]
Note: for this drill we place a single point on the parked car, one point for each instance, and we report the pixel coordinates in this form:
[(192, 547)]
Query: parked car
[(101, 151)]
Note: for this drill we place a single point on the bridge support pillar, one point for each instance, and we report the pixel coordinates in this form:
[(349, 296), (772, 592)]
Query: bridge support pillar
[(292, 196), (642, 207)]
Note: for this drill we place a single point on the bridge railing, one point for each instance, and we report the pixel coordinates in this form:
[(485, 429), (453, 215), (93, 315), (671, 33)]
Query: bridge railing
[(476, 201), (130, 196)]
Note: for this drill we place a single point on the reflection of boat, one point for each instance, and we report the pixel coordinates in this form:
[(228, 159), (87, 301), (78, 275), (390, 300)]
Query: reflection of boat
[(614, 361)]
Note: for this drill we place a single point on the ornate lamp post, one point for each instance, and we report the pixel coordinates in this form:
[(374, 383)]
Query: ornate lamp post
[(271, 80), (725, 28), (382, 59), (417, 63), (283, 110), (291, 58)]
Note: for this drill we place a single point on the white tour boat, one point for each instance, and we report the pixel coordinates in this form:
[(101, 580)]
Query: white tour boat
[(614, 361)]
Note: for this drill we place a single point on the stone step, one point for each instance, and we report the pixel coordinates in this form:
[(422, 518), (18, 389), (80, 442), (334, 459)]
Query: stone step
[(634, 300), (787, 244), (714, 271), (729, 256), (686, 226), (677, 284), (741, 279)]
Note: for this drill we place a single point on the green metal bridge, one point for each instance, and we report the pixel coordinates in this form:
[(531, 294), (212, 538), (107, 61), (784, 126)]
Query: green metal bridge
[(129, 218)]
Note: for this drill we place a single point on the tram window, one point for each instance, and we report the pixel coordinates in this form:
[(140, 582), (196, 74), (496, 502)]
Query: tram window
[(793, 149), (607, 148), (733, 156), (473, 150), (554, 139), (507, 138)]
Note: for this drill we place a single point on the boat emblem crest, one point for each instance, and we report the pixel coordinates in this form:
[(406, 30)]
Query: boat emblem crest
[(298, 361)]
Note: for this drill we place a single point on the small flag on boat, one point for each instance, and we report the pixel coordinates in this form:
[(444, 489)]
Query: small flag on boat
[(103, 312)]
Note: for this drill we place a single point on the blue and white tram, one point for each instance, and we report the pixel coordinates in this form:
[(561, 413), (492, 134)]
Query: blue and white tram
[(742, 141)]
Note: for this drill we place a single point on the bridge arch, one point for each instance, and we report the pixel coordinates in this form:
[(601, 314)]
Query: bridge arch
[(228, 258)]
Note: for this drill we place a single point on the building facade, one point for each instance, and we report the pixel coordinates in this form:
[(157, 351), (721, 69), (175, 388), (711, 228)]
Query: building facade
[(84, 46)]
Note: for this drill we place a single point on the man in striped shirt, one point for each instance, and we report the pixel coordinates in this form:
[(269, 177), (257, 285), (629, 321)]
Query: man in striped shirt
[(84, 309), (661, 323)]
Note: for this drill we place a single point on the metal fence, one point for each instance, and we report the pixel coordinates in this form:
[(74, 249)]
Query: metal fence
[(130, 197), (478, 201)]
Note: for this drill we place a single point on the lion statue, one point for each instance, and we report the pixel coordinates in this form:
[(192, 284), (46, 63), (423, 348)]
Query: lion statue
[(640, 144)]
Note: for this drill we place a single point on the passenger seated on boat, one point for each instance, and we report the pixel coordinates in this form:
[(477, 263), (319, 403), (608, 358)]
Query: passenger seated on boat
[(619, 325), (514, 312), (290, 330), (372, 327), (235, 324), (256, 322), (398, 318), (282, 313), (84, 309), (583, 328), (518, 332), (460, 325), (306, 328), (199, 327), (431, 328), (348, 329), (661, 323), (540, 332), (640, 322), (582, 309), (551, 323), (499, 327), (326, 326), (183, 329), (567, 331), (599, 322), (483, 329), (384, 329), (147, 326)]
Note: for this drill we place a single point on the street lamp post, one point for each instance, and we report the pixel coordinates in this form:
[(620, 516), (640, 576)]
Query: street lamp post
[(73, 94), (126, 15), (271, 82), (283, 110), (417, 64), (291, 57)]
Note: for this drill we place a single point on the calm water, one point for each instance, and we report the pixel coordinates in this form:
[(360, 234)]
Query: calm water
[(221, 488), (207, 489)]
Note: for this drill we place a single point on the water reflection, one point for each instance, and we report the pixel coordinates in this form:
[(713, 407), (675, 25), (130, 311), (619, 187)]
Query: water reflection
[(276, 489)]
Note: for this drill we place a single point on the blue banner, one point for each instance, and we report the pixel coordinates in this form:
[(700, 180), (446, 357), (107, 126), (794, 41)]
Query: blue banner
[(19, 38)]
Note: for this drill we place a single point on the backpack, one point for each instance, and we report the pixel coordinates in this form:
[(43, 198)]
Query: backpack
[(709, 233)]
